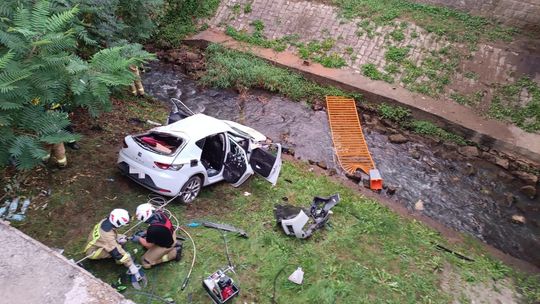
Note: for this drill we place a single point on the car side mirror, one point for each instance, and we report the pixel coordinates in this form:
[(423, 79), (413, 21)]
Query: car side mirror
[(193, 162)]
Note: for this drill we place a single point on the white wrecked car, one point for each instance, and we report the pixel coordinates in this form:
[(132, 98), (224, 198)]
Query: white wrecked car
[(197, 151)]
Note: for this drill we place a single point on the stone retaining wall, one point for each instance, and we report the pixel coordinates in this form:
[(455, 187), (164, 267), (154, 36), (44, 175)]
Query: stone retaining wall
[(524, 14)]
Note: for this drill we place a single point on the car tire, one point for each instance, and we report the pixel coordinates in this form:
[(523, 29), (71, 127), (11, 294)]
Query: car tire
[(192, 188)]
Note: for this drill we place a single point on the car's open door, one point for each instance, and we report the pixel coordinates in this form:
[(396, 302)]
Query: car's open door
[(266, 161), (236, 167)]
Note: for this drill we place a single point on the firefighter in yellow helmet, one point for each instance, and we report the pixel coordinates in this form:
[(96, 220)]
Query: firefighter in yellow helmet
[(104, 243)]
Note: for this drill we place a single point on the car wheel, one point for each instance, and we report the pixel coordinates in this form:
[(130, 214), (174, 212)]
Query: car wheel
[(190, 190)]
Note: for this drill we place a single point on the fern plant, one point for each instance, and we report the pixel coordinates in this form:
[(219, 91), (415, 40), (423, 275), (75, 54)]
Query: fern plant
[(39, 67)]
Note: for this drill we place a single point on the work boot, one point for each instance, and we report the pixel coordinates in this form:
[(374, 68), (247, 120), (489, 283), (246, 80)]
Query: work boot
[(73, 145), (178, 248)]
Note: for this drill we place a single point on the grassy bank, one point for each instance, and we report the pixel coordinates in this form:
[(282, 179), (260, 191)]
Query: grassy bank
[(368, 254), (232, 69)]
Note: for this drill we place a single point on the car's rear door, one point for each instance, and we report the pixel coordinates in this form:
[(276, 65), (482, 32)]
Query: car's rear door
[(236, 167), (266, 161)]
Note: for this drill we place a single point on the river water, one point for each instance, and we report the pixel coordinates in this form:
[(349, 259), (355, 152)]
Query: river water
[(476, 204)]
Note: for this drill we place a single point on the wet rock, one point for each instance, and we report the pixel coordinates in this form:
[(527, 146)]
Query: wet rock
[(391, 190), (450, 145), (379, 129), (527, 208), (469, 169), (332, 172), (317, 107), (529, 191), (355, 177), (190, 56), (505, 176), (174, 55), (366, 117), (419, 205), (528, 178), (415, 154), (518, 219), (469, 151), (322, 165), (510, 199), (501, 162), (392, 131), (194, 66), (397, 139), (287, 150)]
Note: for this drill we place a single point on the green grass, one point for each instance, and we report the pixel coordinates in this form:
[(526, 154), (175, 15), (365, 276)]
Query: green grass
[(397, 35), (506, 104), (319, 51), (455, 25), (394, 113), (226, 69), (396, 54), (428, 128), (247, 8), (179, 19), (468, 99), (257, 37), (370, 70), (367, 255), (403, 118)]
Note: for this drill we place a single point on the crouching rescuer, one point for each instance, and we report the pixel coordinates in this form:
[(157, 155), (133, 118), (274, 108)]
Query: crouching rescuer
[(104, 242), (159, 239)]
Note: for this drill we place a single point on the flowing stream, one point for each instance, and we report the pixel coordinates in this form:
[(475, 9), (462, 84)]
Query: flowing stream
[(476, 204)]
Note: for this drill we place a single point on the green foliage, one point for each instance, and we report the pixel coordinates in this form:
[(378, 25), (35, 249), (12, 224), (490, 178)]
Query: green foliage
[(519, 103), (39, 68), (247, 8), (428, 128), (394, 113), (226, 68), (258, 38), (319, 51), (397, 35), (108, 21), (469, 99), (396, 54), (179, 19), (370, 70)]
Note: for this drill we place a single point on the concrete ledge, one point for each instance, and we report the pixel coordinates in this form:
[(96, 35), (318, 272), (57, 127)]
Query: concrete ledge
[(505, 138), (33, 273)]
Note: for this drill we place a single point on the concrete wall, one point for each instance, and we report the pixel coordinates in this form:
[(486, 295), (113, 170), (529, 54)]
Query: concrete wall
[(524, 14)]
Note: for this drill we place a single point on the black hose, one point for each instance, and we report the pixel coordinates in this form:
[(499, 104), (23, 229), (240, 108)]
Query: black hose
[(275, 280), (150, 295)]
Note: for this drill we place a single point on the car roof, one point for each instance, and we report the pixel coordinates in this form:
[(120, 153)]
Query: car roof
[(195, 127)]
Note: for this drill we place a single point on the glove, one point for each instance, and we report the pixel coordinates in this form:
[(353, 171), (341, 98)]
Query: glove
[(122, 239), (135, 239), (140, 233)]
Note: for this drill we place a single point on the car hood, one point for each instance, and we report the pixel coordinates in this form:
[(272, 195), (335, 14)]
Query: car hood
[(256, 135)]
